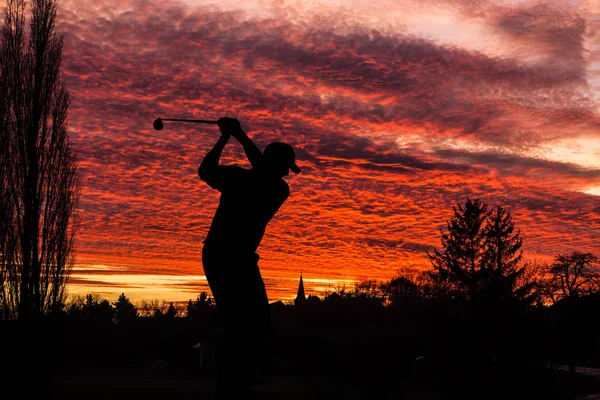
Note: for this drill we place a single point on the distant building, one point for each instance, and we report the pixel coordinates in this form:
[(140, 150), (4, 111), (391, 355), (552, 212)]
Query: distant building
[(313, 300), (277, 306), (333, 298), (300, 297)]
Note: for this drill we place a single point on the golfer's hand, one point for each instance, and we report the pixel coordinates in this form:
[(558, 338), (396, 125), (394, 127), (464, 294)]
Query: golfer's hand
[(229, 126), (223, 126)]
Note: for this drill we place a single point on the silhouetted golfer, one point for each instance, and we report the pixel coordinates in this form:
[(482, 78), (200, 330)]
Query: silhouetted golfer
[(249, 199)]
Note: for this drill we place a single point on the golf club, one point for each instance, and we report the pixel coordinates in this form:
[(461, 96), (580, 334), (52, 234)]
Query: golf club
[(158, 122)]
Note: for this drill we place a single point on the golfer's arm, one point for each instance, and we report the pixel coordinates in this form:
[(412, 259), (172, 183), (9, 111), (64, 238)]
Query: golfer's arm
[(211, 160), (252, 152)]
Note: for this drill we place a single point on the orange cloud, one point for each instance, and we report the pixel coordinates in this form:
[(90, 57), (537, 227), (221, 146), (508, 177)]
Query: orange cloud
[(391, 129)]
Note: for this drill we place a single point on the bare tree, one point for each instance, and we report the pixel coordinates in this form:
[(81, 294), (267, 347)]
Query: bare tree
[(153, 308), (402, 288), (368, 289), (572, 275), (40, 187), (530, 282), (6, 211)]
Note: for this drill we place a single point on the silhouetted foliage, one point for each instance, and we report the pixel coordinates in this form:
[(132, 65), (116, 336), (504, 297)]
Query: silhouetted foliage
[(480, 287), (171, 312), (503, 244), (6, 210), (480, 265), (532, 284), (39, 186), (457, 269), (404, 288), (572, 275), (124, 309), (200, 305), (312, 300), (339, 292), (504, 279), (334, 297), (155, 308), (368, 289), (91, 307)]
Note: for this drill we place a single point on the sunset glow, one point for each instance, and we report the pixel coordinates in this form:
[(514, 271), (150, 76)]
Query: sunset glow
[(397, 109)]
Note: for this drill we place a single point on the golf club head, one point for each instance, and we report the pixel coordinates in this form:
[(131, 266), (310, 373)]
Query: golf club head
[(158, 124)]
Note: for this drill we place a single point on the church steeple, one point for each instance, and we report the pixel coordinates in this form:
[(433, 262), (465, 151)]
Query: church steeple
[(300, 297)]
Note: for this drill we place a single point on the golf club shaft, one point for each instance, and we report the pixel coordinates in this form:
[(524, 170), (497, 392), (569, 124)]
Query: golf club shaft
[(197, 121)]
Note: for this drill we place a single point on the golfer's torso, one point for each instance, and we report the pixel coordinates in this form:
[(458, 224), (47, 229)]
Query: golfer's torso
[(247, 205)]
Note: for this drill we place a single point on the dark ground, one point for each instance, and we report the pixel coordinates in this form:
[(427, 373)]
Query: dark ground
[(88, 375), (312, 359), (117, 385)]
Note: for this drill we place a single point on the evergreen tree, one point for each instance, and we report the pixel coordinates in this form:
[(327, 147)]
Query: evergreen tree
[(124, 309), (171, 312), (500, 270), (190, 308), (198, 306), (481, 259), (95, 308), (503, 244), (457, 268)]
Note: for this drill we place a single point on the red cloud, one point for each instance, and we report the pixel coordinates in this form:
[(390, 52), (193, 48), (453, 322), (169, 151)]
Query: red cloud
[(364, 204)]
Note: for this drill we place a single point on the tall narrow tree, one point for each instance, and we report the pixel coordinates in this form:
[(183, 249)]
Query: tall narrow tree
[(40, 185), (6, 210)]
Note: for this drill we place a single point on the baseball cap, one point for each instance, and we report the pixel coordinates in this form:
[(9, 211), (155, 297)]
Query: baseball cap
[(282, 153)]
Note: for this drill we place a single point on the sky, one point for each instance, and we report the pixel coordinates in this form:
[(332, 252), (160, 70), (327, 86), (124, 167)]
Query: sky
[(397, 109)]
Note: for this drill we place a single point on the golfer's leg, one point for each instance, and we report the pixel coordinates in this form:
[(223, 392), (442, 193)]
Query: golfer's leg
[(215, 267), (261, 315), (234, 360)]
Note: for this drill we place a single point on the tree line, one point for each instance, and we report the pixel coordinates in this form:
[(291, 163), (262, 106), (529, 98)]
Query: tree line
[(93, 307), (478, 269)]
